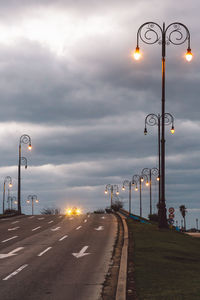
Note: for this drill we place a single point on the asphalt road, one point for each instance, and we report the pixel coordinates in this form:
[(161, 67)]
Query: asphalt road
[(55, 257)]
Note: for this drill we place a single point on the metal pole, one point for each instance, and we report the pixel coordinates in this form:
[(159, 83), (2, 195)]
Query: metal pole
[(32, 205), (162, 215), (159, 158), (4, 187), (140, 198), (197, 224), (150, 193), (19, 180), (111, 198), (129, 197)]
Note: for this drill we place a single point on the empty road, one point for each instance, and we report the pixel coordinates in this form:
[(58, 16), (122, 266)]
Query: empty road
[(55, 257)]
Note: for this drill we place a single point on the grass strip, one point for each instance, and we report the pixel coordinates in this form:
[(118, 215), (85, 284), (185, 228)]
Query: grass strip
[(166, 263)]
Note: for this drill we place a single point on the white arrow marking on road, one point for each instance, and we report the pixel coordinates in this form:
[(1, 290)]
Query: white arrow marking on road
[(13, 237), (15, 222), (50, 222), (78, 227), (85, 221), (14, 228), (55, 229), (36, 228), (81, 253), (99, 228), (15, 272), (11, 253), (62, 238)]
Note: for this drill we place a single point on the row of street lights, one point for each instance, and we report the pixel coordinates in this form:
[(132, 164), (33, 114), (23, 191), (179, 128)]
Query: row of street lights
[(24, 139)]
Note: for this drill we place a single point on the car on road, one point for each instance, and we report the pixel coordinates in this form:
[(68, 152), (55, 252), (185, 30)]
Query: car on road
[(74, 211)]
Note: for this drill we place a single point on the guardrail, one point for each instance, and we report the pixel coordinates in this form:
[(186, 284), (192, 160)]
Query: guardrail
[(134, 217)]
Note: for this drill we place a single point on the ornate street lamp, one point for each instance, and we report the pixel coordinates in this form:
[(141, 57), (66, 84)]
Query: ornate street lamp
[(155, 120), (32, 198), (111, 187), (128, 183), (150, 173), (8, 180), (139, 179), (24, 139), (175, 33)]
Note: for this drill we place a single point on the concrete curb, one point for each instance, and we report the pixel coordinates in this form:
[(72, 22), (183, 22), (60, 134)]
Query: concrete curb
[(121, 285)]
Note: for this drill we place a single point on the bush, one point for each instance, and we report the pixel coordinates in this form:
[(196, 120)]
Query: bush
[(99, 211)]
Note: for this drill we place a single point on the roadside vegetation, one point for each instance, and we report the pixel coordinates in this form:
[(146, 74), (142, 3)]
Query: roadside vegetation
[(166, 263)]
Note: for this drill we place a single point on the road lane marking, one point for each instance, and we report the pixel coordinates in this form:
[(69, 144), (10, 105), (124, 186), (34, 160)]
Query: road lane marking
[(13, 237), (88, 216), (50, 222), (31, 217), (15, 222), (78, 227), (41, 218), (103, 217), (36, 228), (11, 253), (62, 238), (85, 221), (71, 218), (55, 229), (60, 216), (15, 272), (14, 228), (81, 253), (43, 252), (99, 228)]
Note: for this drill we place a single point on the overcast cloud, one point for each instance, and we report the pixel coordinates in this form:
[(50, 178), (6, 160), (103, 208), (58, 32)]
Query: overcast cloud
[(68, 80)]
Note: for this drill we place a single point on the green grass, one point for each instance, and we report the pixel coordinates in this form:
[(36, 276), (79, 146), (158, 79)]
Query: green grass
[(166, 263)]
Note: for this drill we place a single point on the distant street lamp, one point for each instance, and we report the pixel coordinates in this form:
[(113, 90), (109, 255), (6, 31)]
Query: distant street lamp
[(24, 139), (175, 33), (8, 180), (139, 179), (150, 173), (111, 187), (12, 199), (32, 198), (152, 120), (129, 184)]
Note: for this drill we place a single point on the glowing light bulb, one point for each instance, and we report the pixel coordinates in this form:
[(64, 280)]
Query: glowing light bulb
[(172, 129), (188, 55), (137, 53), (29, 147)]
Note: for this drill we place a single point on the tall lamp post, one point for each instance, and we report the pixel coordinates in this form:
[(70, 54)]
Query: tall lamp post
[(24, 139), (175, 33), (150, 173), (128, 183), (139, 179), (111, 187), (8, 180), (32, 198)]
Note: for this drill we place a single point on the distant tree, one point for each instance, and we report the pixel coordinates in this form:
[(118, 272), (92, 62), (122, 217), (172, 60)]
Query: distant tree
[(50, 211), (117, 205), (183, 211)]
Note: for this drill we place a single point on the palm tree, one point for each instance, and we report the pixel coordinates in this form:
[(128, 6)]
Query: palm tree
[(183, 211)]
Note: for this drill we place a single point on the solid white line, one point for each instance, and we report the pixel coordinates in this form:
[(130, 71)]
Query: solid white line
[(78, 227), (40, 254), (14, 228), (14, 237), (36, 228), (55, 229), (50, 222), (15, 222), (15, 272), (62, 238)]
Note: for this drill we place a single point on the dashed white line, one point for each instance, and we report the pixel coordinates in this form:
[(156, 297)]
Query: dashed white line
[(60, 216), (88, 216), (15, 222), (50, 222), (71, 219), (41, 218), (78, 227), (14, 228), (40, 254), (36, 228), (31, 217), (55, 229), (85, 221), (13, 237), (62, 238), (15, 272)]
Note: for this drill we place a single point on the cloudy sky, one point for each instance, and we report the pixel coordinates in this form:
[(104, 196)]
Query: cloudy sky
[(68, 80)]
